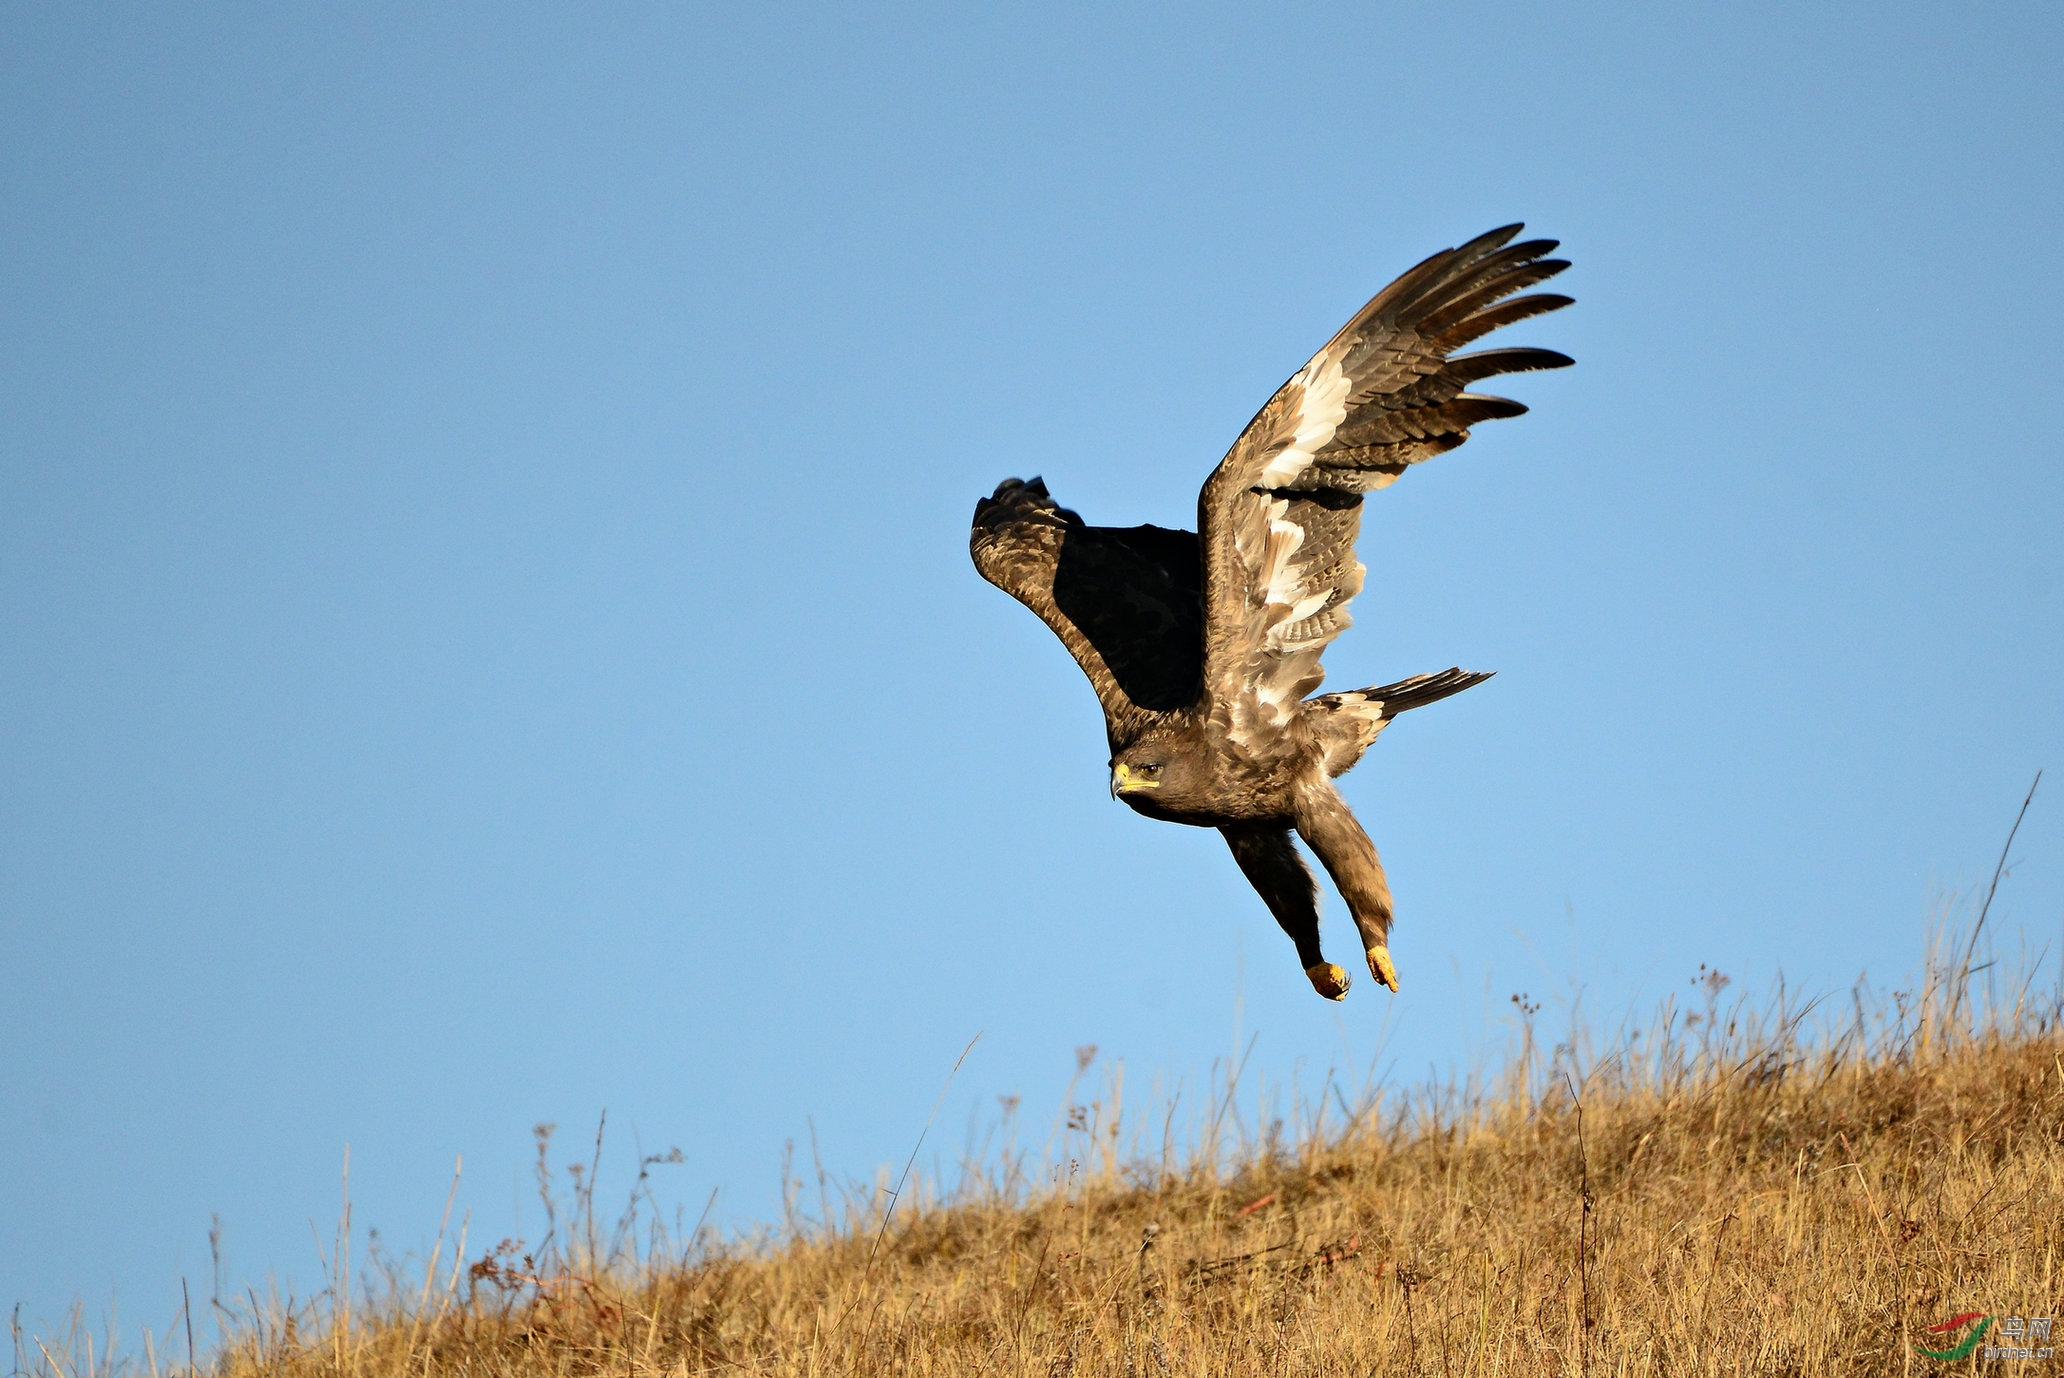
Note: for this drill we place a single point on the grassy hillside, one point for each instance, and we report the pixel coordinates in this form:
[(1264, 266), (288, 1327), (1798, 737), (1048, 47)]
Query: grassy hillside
[(1730, 1189)]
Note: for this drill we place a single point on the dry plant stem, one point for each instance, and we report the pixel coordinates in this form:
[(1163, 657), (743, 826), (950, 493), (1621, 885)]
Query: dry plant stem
[(1713, 1268), (889, 1211), (1999, 869), (1583, 1228), (341, 1278), (588, 1189), (430, 1268)]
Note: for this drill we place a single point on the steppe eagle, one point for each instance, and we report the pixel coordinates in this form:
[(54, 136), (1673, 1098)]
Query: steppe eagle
[(1202, 649)]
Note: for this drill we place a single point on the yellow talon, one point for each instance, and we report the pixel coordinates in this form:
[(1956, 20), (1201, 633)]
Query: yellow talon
[(1328, 980), (1380, 967)]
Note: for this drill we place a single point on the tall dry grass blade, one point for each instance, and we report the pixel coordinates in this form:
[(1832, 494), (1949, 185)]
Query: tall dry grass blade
[(1999, 868), (186, 1314), (889, 1211)]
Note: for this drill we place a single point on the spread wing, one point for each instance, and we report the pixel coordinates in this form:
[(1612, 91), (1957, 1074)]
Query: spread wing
[(1124, 600), (1281, 512)]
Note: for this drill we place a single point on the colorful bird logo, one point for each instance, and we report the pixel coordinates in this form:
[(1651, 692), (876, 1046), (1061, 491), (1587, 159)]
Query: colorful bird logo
[(1954, 1323)]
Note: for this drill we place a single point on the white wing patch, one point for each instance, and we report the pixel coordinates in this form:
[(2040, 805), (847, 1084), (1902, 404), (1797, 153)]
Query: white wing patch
[(1295, 594), (1281, 574), (1289, 597), (1297, 589), (1302, 595), (1322, 406)]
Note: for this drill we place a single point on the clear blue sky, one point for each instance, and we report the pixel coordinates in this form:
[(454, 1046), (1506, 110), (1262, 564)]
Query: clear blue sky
[(488, 633)]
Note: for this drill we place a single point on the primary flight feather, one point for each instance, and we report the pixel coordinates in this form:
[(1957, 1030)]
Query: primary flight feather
[(1202, 646)]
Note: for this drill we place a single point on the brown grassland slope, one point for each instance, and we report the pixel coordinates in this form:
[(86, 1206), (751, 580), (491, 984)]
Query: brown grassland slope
[(1718, 1192)]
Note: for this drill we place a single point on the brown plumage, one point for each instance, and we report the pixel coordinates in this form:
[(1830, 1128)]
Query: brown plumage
[(1202, 649)]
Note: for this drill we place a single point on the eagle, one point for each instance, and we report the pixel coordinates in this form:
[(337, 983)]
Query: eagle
[(1203, 646)]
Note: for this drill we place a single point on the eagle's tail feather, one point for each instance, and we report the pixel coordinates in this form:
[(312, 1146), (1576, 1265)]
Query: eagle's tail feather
[(1349, 721), (1421, 690)]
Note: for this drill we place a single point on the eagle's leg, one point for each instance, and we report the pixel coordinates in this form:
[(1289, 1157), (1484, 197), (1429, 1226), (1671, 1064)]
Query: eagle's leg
[(1333, 834), (1269, 860)]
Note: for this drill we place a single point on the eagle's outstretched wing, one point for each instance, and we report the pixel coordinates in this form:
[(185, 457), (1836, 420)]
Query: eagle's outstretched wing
[(1124, 600), (1280, 514)]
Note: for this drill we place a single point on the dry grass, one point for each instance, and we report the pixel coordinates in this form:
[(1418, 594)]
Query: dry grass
[(1730, 1189)]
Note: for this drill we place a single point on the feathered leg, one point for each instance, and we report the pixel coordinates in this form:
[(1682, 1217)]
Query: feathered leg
[(1269, 860), (1336, 838)]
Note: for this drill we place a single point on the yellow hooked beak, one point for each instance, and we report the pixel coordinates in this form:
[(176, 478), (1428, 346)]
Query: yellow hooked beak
[(1124, 781)]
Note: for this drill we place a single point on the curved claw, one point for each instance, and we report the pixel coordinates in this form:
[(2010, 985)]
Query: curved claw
[(1382, 969), (1328, 980)]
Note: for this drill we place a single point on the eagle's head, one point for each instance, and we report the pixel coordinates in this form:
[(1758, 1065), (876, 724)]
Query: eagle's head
[(1162, 777)]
